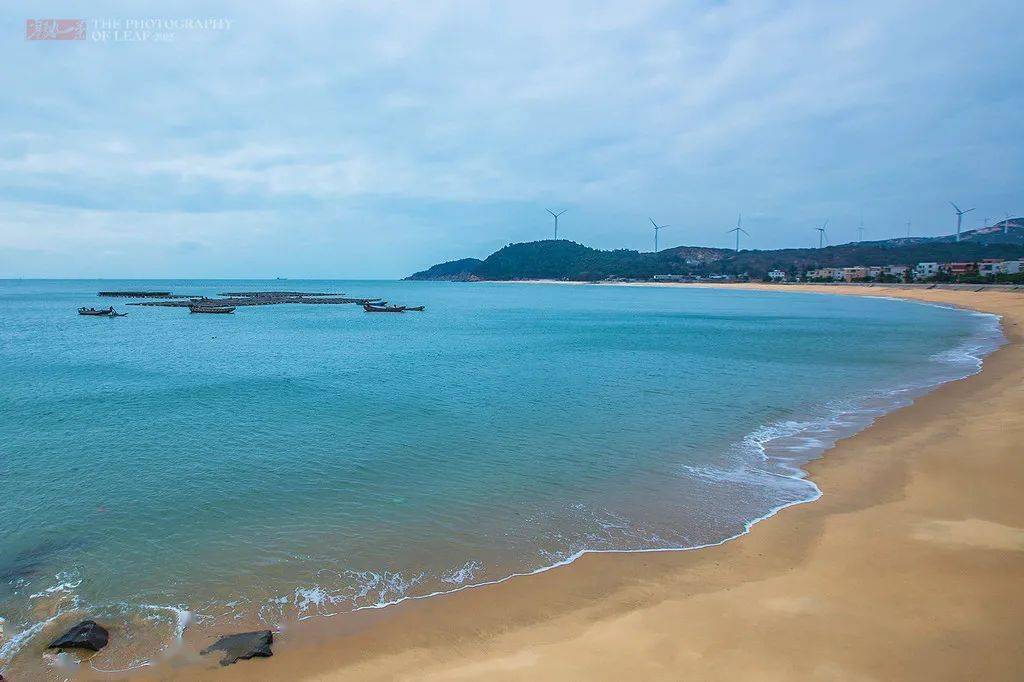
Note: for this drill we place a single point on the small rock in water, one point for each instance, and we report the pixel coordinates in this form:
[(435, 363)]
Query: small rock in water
[(244, 645), (86, 635)]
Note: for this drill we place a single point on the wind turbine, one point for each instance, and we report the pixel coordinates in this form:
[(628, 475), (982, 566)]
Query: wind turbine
[(821, 234), (737, 230), (908, 229), (860, 230), (657, 227), (556, 219), (1006, 224), (959, 217)]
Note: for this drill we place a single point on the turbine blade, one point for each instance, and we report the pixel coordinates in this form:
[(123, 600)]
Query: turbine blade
[(653, 223), (969, 210), (955, 207)]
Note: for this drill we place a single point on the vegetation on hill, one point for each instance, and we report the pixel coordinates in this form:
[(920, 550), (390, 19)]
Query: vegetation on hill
[(798, 261), (454, 270), (563, 259)]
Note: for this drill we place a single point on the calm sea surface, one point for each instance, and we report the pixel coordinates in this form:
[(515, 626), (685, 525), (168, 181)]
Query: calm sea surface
[(167, 469)]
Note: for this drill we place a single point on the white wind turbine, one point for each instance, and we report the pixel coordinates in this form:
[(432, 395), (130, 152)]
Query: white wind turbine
[(737, 230), (555, 216), (959, 217), (822, 237), (657, 228)]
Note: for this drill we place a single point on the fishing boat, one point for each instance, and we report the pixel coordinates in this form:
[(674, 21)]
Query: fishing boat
[(105, 312), (383, 309), (416, 308), (221, 309)]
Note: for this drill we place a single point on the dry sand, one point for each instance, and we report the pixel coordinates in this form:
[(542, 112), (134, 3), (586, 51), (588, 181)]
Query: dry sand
[(911, 566)]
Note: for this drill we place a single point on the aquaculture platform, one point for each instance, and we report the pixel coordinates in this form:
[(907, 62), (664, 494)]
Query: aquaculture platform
[(247, 298)]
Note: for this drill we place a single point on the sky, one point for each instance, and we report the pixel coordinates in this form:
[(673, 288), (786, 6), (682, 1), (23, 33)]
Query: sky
[(373, 139)]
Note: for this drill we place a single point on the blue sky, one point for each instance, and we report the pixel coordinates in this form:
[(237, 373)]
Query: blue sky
[(372, 139)]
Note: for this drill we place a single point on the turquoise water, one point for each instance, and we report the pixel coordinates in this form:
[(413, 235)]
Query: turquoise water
[(284, 462)]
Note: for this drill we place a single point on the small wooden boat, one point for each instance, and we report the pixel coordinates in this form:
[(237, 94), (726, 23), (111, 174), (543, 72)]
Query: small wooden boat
[(221, 309), (105, 312), (383, 309), (417, 308)]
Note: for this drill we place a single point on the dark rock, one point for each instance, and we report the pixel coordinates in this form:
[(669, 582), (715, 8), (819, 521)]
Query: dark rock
[(86, 635), (244, 645)]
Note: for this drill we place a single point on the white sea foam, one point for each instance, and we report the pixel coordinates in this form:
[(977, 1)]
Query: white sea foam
[(462, 574), (67, 582)]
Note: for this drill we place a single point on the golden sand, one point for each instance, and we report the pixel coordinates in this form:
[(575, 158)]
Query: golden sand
[(911, 566)]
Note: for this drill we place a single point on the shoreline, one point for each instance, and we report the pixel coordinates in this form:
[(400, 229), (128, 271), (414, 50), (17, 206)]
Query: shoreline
[(513, 628)]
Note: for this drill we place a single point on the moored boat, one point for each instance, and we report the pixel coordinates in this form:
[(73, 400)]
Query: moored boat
[(104, 312), (417, 308), (383, 309)]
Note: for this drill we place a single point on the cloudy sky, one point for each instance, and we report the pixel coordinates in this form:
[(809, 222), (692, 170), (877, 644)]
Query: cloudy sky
[(371, 139)]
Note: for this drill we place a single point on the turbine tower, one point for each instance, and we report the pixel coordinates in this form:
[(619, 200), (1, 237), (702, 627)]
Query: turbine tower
[(1006, 224), (657, 227), (737, 230), (959, 217), (822, 238), (908, 228), (555, 215), (860, 229)]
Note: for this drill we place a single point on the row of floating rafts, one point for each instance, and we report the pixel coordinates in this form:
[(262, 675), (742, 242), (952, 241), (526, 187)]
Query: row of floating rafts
[(203, 304), (217, 309)]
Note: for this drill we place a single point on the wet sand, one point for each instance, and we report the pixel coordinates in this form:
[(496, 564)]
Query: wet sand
[(911, 566)]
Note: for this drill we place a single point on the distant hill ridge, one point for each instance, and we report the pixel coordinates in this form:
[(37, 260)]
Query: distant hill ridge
[(563, 259)]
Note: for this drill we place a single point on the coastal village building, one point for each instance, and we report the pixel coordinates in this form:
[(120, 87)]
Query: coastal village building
[(896, 270), (922, 271), (960, 268), (855, 273), (990, 266), (993, 266), (777, 275), (826, 273)]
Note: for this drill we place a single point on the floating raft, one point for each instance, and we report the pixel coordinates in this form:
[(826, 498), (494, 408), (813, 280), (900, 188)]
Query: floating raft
[(246, 298), (277, 293), (138, 294)]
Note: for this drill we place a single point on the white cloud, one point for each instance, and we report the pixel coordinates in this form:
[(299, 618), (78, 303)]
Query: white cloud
[(443, 120)]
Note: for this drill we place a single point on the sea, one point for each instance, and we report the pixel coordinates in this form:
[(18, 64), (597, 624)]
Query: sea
[(167, 472)]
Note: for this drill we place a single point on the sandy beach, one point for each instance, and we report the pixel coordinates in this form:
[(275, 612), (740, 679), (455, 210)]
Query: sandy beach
[(911, 566)]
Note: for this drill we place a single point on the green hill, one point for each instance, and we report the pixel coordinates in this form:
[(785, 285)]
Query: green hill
[(563, 259), (453, 271)]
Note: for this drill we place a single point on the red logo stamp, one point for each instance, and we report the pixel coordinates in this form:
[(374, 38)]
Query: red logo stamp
[(55, 29)]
